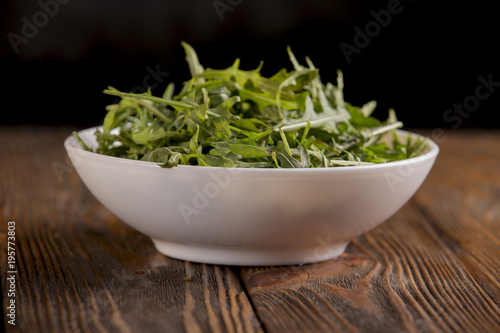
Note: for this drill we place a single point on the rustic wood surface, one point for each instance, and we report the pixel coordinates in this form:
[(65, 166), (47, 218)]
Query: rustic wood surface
[(432, 267)]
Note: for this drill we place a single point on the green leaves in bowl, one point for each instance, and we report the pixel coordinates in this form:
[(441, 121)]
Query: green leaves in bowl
[(237, 118)]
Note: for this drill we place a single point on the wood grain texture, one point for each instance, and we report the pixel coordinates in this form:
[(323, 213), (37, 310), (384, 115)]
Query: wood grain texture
[(82, 270), (433, 267)]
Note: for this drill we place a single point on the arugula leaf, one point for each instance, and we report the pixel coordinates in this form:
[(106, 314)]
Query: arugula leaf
[(247, 150), (149, 135)]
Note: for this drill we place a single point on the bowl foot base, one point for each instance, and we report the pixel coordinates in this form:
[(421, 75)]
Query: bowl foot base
[(249, 256)]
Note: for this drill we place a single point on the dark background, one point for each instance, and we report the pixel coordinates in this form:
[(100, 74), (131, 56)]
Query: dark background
[(427, 59)]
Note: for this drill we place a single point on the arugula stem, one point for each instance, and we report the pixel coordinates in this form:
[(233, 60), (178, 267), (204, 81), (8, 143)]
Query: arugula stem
[(153, 110), (149, 98), (317, 121), (387, 128), (81, 142), (285, 142)]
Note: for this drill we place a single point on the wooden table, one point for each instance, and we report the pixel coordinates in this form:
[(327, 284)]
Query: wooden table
[(433, 267)]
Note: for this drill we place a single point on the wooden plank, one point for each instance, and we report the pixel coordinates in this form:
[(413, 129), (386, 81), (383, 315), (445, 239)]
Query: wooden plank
[(82, 270), (432, 267)]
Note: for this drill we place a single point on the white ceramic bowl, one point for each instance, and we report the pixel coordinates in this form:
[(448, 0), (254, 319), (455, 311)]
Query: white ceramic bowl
[(237, 216)]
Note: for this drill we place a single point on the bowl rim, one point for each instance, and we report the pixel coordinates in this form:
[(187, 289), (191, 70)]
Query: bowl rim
[(71, 144)]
